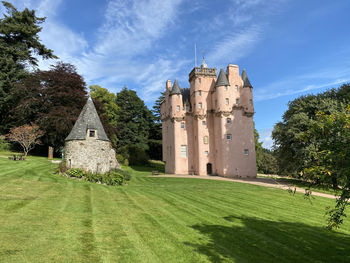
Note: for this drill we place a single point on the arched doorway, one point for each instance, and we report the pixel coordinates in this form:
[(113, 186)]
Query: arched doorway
[(209, 168)]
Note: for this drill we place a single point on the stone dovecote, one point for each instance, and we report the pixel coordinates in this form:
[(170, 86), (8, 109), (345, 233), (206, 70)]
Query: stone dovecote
[(87, 145)]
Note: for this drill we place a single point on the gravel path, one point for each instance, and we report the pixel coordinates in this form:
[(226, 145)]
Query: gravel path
[(267, 182)]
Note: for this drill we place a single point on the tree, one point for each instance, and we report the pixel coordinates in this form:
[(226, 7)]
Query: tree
[(19, 48), (53, 99), (27, 136), (265, 160), (292, 149), (330, 165), (107, 109), (133, 122)]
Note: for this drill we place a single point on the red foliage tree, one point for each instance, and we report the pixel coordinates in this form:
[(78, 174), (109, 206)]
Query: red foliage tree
[(53, 99), (26, 135)]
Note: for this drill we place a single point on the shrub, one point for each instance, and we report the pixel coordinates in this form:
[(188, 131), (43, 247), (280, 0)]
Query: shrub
[(76, 172), (126, 162), (114, 177)]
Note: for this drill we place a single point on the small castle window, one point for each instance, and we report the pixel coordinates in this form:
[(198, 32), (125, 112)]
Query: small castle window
[(246, 152), (236, 87), (92, 133), (200, 105), (187, 108), (184, 151), (178, 108), (229, 137), (251, 102), (199, 93), (182, 125), (226, 88), (227, 101), (199, 80), (228, 120), (206, 153), (205, 139), (237, 102), (204, 123)]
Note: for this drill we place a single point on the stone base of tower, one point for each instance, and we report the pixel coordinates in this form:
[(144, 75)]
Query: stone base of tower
[(94, 156)]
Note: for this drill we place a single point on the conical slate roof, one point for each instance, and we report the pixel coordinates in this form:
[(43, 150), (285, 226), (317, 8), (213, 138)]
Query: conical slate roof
[(88, 119), (246, 82), (222, 79), (175, 89)]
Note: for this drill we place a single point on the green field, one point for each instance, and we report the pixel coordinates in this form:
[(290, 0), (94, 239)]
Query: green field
[(48, 218)]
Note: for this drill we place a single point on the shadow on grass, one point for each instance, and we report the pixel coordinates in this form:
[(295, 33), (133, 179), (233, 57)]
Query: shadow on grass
[(257, 240)]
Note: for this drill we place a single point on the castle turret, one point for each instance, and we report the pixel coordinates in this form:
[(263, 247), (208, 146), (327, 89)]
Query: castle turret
[(247, 94), (175, 99), (223, 100)]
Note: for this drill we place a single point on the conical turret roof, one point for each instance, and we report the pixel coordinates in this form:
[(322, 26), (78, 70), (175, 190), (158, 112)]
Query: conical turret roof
[(88, 119), (222, 79), (246, 82), (175, 89)]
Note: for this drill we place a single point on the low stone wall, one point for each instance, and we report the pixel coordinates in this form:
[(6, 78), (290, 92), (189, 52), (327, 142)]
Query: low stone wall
[(95, 156)]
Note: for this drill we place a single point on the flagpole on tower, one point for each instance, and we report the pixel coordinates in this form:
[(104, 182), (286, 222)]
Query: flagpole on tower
[(195, 55)]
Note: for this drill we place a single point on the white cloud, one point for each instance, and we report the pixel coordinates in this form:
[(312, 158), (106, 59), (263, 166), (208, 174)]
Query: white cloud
[(266, 138)]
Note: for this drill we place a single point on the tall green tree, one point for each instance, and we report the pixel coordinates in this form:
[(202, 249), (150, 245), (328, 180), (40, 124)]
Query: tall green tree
[(330, 165), (133, 120), (19, 48), (292, 148)]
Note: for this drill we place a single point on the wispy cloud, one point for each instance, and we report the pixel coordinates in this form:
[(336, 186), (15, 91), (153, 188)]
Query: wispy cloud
[(320, 79)]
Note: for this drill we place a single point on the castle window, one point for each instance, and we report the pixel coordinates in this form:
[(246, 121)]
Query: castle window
[(204, 123), (251, 102), (178, 108), (200, 105), (225, 88), (227, 101), (229, 136), (184, 151), (92, 133), (206, 153), (199, 80), (246, 152), (228, 120), (182, 125), (187, 108), (199, 93), (236, 87), (205, 139), (237, 102)]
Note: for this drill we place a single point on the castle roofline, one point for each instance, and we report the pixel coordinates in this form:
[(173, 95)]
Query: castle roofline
[(222, 79), (246, 82), (175, 89)]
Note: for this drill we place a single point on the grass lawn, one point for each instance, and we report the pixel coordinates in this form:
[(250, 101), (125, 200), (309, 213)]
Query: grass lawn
[(48, 218)]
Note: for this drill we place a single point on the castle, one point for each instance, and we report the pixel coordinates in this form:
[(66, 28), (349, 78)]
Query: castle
[(208, 128), (87, 145)]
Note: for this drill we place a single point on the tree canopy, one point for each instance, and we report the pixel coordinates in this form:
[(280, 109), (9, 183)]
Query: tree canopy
[(19, 48)]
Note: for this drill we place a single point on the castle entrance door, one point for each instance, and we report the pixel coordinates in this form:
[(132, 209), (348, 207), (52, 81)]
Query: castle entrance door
[(209, 168)]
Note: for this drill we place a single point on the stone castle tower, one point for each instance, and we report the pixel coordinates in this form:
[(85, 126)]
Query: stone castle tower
[(208, 128), (87, 145)]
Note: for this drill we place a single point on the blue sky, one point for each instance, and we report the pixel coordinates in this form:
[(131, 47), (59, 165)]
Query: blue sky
[(288, 48)]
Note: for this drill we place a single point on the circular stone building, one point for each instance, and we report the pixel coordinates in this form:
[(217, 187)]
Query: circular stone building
[(87, 145)]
